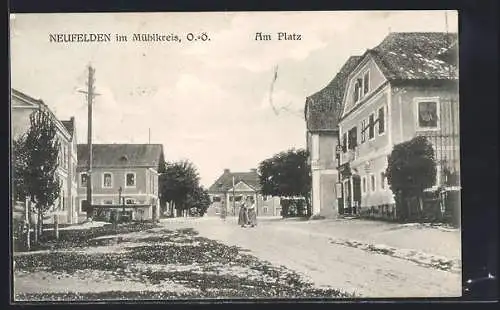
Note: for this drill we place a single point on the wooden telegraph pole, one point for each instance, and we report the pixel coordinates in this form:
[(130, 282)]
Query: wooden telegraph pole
[(90, 98)]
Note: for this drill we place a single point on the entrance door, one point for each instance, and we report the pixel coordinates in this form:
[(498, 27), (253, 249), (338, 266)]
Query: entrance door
[(347, 197), (356, 184)]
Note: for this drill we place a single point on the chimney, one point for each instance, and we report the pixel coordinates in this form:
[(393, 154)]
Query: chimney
[(226, 170)]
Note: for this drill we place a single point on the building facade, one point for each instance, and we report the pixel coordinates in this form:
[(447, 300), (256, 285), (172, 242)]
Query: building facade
[(22, 106), (322, 111), (124, 178), (231, 189), (398, 90)]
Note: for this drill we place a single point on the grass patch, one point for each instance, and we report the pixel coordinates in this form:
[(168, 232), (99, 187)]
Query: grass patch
[(210, 268)]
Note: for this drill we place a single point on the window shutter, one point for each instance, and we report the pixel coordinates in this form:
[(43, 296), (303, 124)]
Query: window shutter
[(381, 121)]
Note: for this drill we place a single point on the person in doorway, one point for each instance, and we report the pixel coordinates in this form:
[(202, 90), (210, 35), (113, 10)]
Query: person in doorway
[(252, 213), (243, 215)]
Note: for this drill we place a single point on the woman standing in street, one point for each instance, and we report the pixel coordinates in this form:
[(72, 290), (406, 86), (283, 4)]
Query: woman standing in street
[(252, 213), (243, 215)]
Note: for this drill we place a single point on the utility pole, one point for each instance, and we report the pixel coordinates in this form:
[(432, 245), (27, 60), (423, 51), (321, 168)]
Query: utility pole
[(90, 98)]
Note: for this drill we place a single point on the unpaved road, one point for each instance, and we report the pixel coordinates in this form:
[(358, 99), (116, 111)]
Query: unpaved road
[(310, 252)]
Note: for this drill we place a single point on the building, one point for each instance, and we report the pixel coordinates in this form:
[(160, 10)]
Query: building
[(124, 179), (232, 188), (322, 112), (404, 87), (22, 106)]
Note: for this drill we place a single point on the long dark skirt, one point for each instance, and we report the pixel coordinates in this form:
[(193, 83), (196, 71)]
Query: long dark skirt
[(252, 217), (243, 217)]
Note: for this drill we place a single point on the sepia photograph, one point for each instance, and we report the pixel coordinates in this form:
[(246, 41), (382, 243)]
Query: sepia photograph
[(234, 156)]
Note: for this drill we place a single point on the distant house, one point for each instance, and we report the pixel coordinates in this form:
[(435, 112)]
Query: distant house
[(322, 112), (404, 87), (22, 106), (124, 177), (232, 188)]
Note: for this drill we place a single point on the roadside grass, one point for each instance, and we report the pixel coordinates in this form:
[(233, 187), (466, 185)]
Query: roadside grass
[(206, 268)]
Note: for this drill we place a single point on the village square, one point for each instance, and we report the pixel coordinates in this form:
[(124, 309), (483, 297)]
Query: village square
[(353, 191)]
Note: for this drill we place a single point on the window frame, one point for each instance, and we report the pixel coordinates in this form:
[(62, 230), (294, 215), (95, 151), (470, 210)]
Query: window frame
[(135, 179), (104, 177), (364, 186), (366, 74), (417, 101), (373, 183), (363, 134), (80, 179)]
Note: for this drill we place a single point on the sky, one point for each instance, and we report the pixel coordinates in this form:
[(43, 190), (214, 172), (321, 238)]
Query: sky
[(206, 101)]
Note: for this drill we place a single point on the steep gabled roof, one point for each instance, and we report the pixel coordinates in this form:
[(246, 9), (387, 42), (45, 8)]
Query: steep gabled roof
[(225, 181), (324, 107), (415, 56), (121, 155)]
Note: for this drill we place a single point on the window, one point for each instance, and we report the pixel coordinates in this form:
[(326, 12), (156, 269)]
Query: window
[(381, 121), (107, 202), (364, 185), (428, 114), (371, 125), (238, 198), (130, 179), (216, 199), (366, 83), (382, 180), (372, 181), (107, 180), (363, 131), (82, 202), (83, 179), (130, 201), (265, 210), (352, 138), (357, 88)]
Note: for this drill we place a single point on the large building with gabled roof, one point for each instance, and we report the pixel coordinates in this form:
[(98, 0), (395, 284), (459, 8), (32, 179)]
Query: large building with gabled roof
[(406, 86), (232, 188), (22, 106)]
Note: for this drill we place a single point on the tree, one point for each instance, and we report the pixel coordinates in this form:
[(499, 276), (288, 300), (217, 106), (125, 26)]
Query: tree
[(177, 182), (20, 168), (198, 201), (41, 179), (287, 174), (411, 169)]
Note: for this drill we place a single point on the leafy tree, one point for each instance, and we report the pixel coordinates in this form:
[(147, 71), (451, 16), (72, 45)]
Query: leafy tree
[(411, 169), (20, 168), (198, 201), (287, 174), (177, 182), (41, 179)]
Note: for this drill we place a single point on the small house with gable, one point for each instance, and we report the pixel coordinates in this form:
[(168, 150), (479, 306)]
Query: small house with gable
[(231, 189), (124, 177)]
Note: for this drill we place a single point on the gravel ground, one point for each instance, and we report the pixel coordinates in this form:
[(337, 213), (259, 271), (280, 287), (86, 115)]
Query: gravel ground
[(307, 247), (157, 263)]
